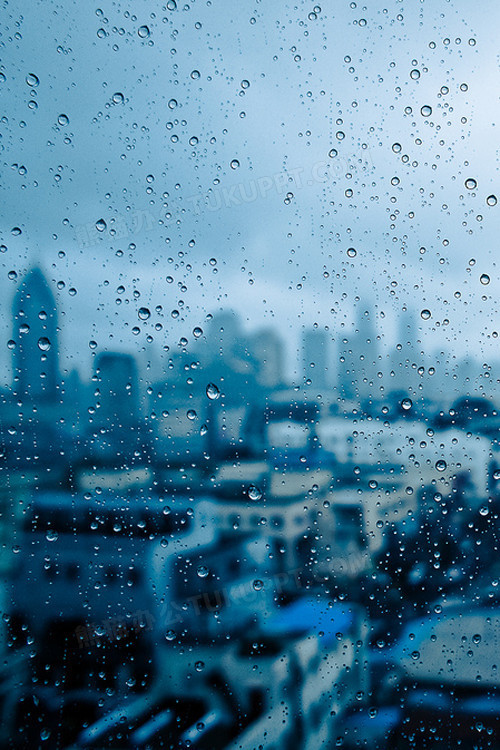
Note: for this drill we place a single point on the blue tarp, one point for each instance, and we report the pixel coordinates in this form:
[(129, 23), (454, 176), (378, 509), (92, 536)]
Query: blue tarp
[(309, 615)]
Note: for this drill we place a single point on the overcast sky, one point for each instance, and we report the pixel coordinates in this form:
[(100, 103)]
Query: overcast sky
[(243, 149)]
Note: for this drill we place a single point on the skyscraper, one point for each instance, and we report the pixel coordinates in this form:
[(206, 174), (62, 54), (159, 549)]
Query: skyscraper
[(35, 332), (315, 356), (118, 395)]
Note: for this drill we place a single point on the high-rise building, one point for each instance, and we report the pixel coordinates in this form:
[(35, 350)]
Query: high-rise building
[(359, 360), (35, 332), (117, 386), (315, 356), (267, 348)]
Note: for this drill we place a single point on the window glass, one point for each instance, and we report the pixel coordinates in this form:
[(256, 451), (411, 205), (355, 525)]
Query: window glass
[(249, 454)]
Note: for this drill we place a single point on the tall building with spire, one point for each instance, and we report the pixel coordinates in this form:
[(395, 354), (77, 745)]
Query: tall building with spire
[(35, 332)]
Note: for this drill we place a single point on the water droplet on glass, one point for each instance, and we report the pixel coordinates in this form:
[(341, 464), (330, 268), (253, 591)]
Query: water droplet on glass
[(491, 200), (484, 279), (199, 666), (415, 74), (144, 313), (425, 314), (63, 119), (351, 252), (407, 403), (191, 414), (254, 493), (143, 32), (426, 111), (32, 80), (44, 344), (51, 535), (212, 391), (195, 74), (258, 584), (235, 164), (100, 225), (441, 465), (202, 571), (197, 332), (118, 98), (470, 183)]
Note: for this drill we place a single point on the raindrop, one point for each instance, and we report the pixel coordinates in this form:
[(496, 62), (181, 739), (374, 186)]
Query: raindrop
[(245, 84), (199, 666), (51, 535), (191, 414), (202, 571), (100, 225), (415, 74), (172, 104), (44, 344), (441, 465), (212, 391), (195, 74), (425, 314), (351, 252), (258, 584), (426, 111), (16, 231), (484, 279), (63, 119), (470, 183), (143, 32), (396, 147), (118, 98), (197, 332), (144, 313), (254, 493), (491, 200), (333, 153), (406, 404), (235, 164), (32, 80)]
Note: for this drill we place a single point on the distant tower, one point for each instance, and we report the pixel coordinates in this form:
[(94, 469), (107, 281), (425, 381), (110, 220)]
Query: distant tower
[(267, 348), (117, 383), (35, 331), (315, 353)]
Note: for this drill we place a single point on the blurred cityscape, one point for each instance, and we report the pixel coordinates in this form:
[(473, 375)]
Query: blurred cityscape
[(222, 559)]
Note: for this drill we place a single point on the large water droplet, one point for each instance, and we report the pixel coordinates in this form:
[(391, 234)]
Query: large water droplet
[(426, 110), (144, 313), (212, 391), (470, 183), (143, 32), (254, 492), (44, 344)]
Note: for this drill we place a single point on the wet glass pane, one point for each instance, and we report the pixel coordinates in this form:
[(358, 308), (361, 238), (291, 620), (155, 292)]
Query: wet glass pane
[(249, 455)]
